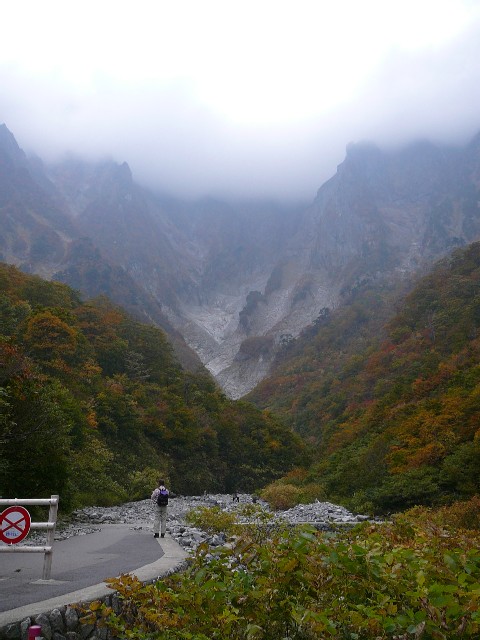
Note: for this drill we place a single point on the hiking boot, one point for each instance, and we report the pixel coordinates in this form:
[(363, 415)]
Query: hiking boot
[(155, 535)]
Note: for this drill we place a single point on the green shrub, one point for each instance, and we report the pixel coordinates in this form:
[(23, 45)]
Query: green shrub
[(360, 503), (286, 494), (463, 514), (281, 496), (213, 520), (311, 492), (409, 578), (141, 483)]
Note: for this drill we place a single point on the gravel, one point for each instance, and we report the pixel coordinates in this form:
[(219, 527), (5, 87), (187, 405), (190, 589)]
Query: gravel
[(323, 515)]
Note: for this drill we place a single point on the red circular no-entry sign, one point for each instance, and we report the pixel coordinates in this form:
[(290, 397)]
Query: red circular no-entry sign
[(14, 524)]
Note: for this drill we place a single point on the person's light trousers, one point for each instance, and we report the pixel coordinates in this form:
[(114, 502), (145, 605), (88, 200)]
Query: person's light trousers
[(160, 520)]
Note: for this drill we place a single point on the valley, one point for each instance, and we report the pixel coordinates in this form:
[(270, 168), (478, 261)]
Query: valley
[(235, 280)]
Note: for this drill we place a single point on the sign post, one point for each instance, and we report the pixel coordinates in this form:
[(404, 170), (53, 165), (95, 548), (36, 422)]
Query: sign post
[(14, 524)]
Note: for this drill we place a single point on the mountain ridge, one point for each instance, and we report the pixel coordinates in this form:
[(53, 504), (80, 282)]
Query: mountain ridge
[(237, 280), (40, 235)]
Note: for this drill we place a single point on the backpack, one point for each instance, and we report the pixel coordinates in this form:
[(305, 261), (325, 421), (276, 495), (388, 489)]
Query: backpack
[(162, 498)]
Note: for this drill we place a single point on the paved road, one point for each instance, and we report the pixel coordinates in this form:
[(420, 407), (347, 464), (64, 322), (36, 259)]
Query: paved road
[(80, 566)]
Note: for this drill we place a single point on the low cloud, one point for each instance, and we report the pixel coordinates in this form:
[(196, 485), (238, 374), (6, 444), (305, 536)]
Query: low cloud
[(176, 141)]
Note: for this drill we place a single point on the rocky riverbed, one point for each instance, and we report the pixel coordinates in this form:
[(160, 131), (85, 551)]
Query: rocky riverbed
[(322, 515)]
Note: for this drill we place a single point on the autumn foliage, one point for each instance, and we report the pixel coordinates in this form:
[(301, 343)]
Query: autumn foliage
[(387, 391), (94, 406)]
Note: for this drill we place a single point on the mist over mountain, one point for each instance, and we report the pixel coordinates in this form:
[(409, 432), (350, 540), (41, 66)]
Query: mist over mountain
[(40, 235), (237, 280)]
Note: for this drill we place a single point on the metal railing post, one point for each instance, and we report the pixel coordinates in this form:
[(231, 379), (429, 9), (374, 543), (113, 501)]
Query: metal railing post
[(52, 518)]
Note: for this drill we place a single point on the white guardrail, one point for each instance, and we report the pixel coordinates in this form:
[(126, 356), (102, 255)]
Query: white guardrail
[(48, 526)]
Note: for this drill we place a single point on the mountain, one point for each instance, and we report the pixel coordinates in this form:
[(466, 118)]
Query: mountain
[(383, 216), (191, 259), (200, 261), (389, 399), (35, 231), (239, 280), (394, 211), (39, 235)]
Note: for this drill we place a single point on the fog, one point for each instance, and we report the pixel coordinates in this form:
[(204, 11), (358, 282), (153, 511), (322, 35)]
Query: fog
[(237, 99)]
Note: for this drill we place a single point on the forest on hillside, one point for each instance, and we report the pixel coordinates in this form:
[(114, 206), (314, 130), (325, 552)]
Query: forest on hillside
[(94, 406), (386, 390), (375, 406)]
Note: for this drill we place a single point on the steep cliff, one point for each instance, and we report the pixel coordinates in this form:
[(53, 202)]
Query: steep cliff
[(240, 279), (40, 235)]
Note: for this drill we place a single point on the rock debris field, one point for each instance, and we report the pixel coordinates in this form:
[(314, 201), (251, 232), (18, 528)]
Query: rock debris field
[(140, 514)]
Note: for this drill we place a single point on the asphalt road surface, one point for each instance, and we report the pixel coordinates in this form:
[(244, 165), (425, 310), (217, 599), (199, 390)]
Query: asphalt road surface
[(80, 566)]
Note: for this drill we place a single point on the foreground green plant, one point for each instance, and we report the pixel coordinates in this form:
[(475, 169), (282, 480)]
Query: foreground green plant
[(409, 579)]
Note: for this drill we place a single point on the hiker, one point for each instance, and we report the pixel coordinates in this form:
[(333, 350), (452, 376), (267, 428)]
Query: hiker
[(160, 500), (236, 497)]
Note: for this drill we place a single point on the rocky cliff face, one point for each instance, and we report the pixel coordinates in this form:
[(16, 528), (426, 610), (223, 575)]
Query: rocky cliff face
[(383, 214), (202, 262), (238, 280), (39, 234), (35, 232)]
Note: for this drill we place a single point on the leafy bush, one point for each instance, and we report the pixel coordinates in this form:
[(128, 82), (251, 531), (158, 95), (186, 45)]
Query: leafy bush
[(462, 514), (90, 480), (311, 492), (143, 482), (465, 514), (285, 495), (213, 520), (281, 495), (417, 486), (410, 578)]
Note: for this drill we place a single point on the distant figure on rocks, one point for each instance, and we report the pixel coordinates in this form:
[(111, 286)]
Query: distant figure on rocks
[(160, 501), (236, 497)]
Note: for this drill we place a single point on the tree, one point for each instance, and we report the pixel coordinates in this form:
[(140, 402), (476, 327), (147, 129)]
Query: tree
[(48, 337), (35, 441)]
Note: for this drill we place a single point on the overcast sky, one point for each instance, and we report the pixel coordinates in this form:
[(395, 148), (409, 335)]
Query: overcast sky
[(255, 98)]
